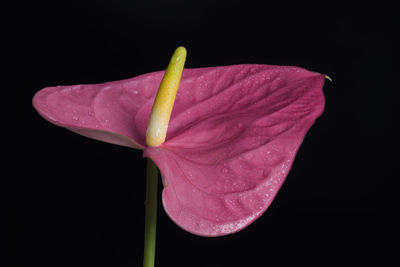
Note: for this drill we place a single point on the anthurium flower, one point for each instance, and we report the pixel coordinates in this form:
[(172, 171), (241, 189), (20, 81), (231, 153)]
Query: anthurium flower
[(232, 135)]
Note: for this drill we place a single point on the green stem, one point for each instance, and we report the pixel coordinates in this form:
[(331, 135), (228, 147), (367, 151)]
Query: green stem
[(151, 214)]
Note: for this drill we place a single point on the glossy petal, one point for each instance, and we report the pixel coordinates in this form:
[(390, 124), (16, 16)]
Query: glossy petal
[(114, 112), (232, 138), (232, 146)]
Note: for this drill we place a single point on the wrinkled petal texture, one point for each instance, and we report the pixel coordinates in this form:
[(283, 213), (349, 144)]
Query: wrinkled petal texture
[(114, 112), (231, 141)]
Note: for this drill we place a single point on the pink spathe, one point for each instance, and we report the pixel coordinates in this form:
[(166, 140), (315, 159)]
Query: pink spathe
[(232, 137)]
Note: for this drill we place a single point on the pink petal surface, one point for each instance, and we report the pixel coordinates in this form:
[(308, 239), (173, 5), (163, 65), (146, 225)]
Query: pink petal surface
[(232, 138), (114, 112)]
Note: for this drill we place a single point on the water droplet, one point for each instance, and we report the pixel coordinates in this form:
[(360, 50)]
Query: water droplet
[(249, 156), (190, 174), (75, 118), (135, 92), (225, 170)]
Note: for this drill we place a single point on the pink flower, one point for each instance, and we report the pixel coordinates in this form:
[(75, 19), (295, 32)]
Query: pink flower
[(232, 137)]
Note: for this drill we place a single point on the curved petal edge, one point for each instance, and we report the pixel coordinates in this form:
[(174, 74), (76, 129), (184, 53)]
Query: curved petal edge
[(224, 164)]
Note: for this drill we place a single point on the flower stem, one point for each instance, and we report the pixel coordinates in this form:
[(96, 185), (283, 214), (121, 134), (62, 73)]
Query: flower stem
[(151, 214)]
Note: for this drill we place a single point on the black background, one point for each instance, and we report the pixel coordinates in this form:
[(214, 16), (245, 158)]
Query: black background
[(72, 201)]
